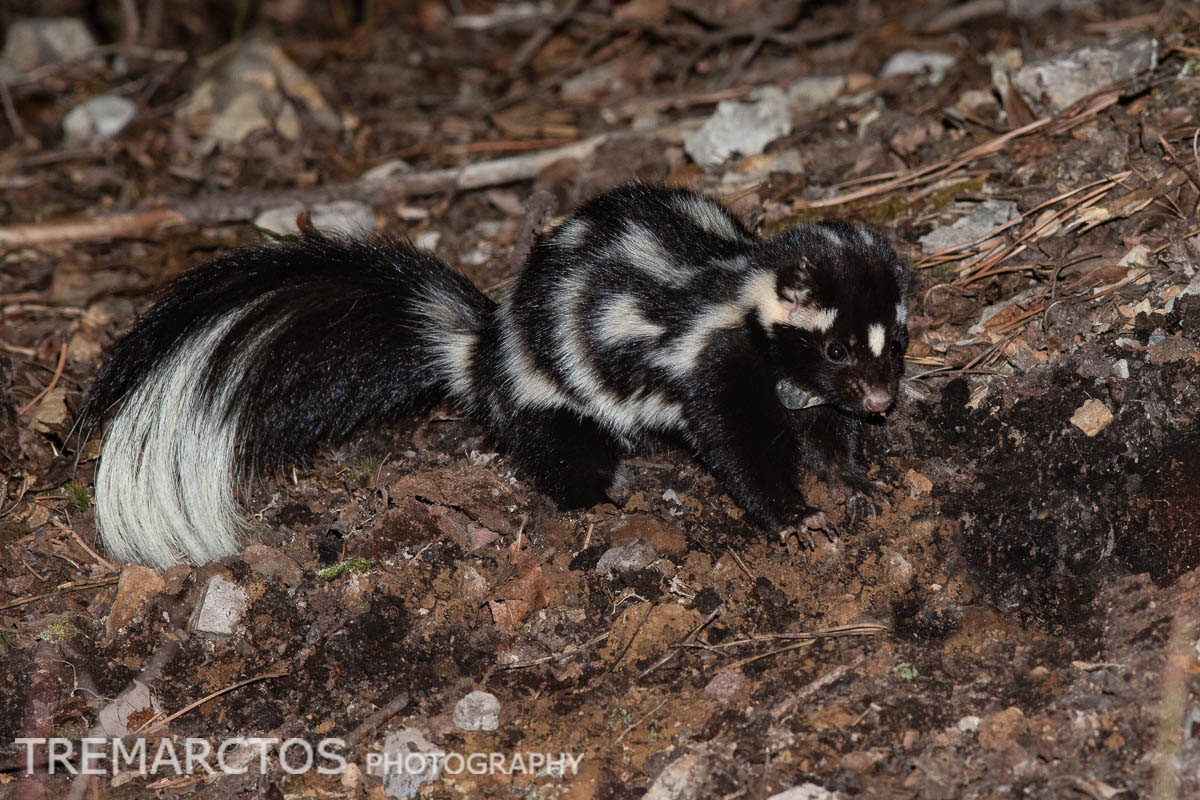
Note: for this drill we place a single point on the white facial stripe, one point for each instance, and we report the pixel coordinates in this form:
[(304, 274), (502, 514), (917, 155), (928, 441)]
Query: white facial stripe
[(813, 318), (572, 233), (901, 313), (875, 339), (621, 320), (708, 216)]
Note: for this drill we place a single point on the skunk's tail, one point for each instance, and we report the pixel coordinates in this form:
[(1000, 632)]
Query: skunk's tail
[(257, 357)]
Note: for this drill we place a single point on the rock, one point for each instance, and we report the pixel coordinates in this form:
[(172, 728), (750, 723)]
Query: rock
[(918, 484), (809, 94), (135, 586), (682, 779), (726, 685), (1054, 84), (629, 557), (38, 41), (991, 215), (1120, 369), (114, 717), (661, 536), (273, 564), (348, 217), (916, 62), (968, 724), (997, 730), (428, 240), (806, 791), (220, 609), (403, 770), (1092, 417), (862, 761), (249, 86), (478, 711), (97, 119), (745, 128)]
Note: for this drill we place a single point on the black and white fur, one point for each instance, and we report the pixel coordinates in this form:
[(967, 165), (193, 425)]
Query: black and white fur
[(650, 313)]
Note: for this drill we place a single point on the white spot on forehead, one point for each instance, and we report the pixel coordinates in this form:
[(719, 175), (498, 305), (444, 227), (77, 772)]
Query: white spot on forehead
[(901, 313), (708, 215), (641, 247), (572, 232), (621, 320), (813, 318), (875, 339)]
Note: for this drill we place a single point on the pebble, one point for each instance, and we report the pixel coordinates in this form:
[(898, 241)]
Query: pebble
[(726, 685), (220, 609), (346, 217), (629, 557), (1054, 84), (398, 749), (478, 711), (1092, 417), (915, 62), (682, 779), (37, 41), (990, 215), (273, 564), (806, 791), (737, 127), (97, 119), (809, 94), (136, 585)]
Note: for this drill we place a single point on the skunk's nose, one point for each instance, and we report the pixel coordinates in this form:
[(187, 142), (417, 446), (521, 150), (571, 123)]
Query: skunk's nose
[(877, 401)]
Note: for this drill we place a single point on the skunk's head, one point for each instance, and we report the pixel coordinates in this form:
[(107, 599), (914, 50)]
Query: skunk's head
[(841, 331)]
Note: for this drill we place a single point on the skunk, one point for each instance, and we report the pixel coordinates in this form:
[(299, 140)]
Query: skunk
[(650, 314)]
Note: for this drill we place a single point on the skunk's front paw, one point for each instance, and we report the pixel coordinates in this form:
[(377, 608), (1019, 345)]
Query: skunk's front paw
[(806, 522)]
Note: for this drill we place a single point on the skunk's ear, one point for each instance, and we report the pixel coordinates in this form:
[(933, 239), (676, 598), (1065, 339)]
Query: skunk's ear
[(801, 310)]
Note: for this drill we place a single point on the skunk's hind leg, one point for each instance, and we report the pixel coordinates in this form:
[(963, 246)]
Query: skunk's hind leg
[(569, 458)]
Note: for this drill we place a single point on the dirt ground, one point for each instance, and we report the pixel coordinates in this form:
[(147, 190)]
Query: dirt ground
[(1019, 617)]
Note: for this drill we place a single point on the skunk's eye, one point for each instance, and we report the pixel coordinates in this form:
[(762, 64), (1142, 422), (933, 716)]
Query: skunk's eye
[(835, 352), (898, 347)]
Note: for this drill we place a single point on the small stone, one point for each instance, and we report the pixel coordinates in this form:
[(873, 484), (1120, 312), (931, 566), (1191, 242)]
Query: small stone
[(968, 724), (918, 484), (726, 685), (1121, 369), (135, 586), (137, 699), (629, 557), (351, 776), (428, 240), (990, 215), (809, 94), (862, 761), (682, 779), (97, 119), (737, 127), (402, 770), (1092, 417), (272, 563), (341, 217), (38, 41), (915, 62), (997, 730), (220, 609), (1056, 83), (806, 791), (478, 711)]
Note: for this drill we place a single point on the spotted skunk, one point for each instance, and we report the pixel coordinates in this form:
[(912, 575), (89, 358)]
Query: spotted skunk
[(652, 313)]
